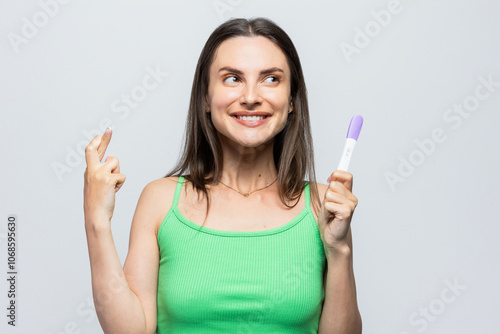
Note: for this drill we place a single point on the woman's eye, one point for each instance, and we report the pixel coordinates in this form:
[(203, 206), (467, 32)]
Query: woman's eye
[(231, 79), (272, 79)]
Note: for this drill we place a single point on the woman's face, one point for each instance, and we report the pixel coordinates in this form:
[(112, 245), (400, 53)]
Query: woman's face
[(249, 77)]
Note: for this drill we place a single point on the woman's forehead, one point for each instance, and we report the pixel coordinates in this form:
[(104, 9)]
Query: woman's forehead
[(249, 54)]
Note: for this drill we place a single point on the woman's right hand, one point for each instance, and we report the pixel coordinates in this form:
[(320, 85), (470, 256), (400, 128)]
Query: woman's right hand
[(102, 180)]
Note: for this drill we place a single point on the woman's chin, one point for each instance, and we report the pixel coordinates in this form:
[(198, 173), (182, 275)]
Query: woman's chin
[(254, 143)]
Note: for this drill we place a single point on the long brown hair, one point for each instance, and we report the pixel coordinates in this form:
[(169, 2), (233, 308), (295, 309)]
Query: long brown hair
[(293, 147)]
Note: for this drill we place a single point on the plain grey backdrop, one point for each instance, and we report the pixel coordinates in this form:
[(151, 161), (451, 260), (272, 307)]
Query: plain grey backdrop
[(424, 75)]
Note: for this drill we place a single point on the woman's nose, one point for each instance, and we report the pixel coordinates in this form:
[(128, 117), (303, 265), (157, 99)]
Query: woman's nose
[(250, 96)]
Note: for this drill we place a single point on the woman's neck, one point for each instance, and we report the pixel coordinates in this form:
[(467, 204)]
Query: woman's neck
[(247, 169)]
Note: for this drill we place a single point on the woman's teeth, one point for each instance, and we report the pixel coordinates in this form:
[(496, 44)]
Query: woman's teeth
[(250, 118)]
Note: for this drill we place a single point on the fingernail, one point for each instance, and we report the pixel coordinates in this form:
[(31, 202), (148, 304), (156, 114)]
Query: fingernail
[(108, 131), (329, 179)]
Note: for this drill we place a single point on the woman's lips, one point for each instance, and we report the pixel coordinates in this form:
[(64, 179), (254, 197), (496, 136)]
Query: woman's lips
[(251, 124)]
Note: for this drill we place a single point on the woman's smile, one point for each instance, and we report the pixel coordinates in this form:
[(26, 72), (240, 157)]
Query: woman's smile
[(251, 119)]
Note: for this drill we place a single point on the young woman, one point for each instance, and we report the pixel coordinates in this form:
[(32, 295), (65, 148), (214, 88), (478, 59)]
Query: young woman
[(233, 239)]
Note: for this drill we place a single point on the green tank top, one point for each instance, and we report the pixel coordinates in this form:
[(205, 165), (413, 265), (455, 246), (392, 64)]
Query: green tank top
[(214, 281)]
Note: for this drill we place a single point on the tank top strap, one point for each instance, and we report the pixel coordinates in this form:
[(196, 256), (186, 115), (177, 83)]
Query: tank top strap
[(178, 189), (308, 196)]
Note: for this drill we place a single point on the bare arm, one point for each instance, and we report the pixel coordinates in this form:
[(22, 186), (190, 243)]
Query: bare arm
[(340, 309), (118, 309), (125, 298), (143, 259), (340, 312)]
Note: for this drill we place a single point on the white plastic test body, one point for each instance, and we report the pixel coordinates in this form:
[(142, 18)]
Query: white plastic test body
[(352, 138)]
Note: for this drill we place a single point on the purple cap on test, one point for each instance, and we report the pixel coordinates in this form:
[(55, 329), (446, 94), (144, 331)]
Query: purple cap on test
[(355, 127)]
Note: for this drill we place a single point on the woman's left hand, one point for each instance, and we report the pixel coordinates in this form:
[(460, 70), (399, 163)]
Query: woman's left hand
[(336, 211)]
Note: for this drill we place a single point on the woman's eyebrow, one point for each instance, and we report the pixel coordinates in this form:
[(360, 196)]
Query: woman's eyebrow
[(263, 72), (272, 70)]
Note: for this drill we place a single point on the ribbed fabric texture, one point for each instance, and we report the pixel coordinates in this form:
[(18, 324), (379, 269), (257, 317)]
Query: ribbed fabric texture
[(214, 281)]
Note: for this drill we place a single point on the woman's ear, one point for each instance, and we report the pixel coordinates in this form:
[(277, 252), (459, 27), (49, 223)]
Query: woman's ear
[(207, 106), (290, 108)]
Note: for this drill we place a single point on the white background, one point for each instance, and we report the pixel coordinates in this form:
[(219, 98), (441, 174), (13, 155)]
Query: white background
[(437, 223)]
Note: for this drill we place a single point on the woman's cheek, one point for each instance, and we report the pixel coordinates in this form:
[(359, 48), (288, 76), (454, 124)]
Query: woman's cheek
[(223, 98), (277, 98)]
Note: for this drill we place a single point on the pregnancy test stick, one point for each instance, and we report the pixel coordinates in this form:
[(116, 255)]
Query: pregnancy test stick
[(352, 137)]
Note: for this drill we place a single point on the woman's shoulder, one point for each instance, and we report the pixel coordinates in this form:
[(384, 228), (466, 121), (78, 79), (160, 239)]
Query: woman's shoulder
[(162, 185), (160, 193), (322, 188), (316, 201)]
